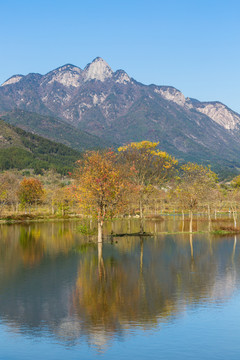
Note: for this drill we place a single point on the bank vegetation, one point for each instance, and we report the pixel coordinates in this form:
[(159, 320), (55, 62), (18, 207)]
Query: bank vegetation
[(138, 180)]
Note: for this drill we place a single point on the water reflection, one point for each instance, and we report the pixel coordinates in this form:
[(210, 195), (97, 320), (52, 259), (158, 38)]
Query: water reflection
[(54, 283)]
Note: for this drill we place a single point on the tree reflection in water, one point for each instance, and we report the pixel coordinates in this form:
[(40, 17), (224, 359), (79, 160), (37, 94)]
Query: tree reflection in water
[(113, 296), (50, 278)]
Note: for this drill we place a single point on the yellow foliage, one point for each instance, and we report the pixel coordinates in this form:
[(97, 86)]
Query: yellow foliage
[(139, 145), (101, 184)]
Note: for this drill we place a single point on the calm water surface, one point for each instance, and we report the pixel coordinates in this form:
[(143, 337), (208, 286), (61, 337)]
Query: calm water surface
[(160, 297)]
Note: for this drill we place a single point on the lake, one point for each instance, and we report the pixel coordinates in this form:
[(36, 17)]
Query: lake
[(166, 296)]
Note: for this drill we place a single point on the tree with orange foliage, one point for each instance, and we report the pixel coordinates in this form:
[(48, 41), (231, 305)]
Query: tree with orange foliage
[(101, 185), (30, 192)]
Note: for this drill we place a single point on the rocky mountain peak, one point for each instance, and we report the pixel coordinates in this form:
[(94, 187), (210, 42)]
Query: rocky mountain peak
[(121, 77), (67, 75), (103, 96), (68, 67), (12, 80), (98, 69)]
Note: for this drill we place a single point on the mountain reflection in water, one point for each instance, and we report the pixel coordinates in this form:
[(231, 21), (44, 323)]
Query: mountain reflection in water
[(54, 283)]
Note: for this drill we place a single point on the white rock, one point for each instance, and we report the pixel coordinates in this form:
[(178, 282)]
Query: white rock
[(220, 114), (67, 75), (69, 67), (171, 94), (14, 79), (97, 70), (99, 99), (67, 79), (123, 78)]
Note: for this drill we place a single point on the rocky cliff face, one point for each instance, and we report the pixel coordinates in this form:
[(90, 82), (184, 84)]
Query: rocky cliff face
[(114, 106), (70, 93), (221, 114)]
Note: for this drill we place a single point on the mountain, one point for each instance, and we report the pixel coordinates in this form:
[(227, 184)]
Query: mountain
[(53, 129), (22, 150), (118, 109)]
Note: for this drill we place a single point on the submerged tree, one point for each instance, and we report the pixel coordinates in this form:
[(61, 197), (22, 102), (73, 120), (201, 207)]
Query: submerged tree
[(195, 187), (101, 186), (152, 168), (30, 192), (9, 184)]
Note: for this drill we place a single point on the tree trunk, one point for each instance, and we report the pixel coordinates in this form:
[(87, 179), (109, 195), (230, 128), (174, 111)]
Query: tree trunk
[(141, 256), (191, 245), (191, 222), (101, 269), (129, 226), (209, 218), (100, 227), (182, 221), (234, 246), (235, 218), (112, 232), (99, 253), (141, 217)]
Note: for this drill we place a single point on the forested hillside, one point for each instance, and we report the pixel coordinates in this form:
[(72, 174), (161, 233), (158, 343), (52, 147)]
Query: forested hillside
[(22, 150), (53, 129)]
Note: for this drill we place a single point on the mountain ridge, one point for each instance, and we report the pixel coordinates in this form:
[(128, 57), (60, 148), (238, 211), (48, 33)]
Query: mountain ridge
[(99, 66), (117, 108), (53, 129)]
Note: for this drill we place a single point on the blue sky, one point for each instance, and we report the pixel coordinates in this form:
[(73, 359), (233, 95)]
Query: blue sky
[(192, 45)]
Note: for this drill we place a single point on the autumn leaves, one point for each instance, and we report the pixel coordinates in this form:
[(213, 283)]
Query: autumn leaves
[(101, 186), (107, 181), (107, 184)]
